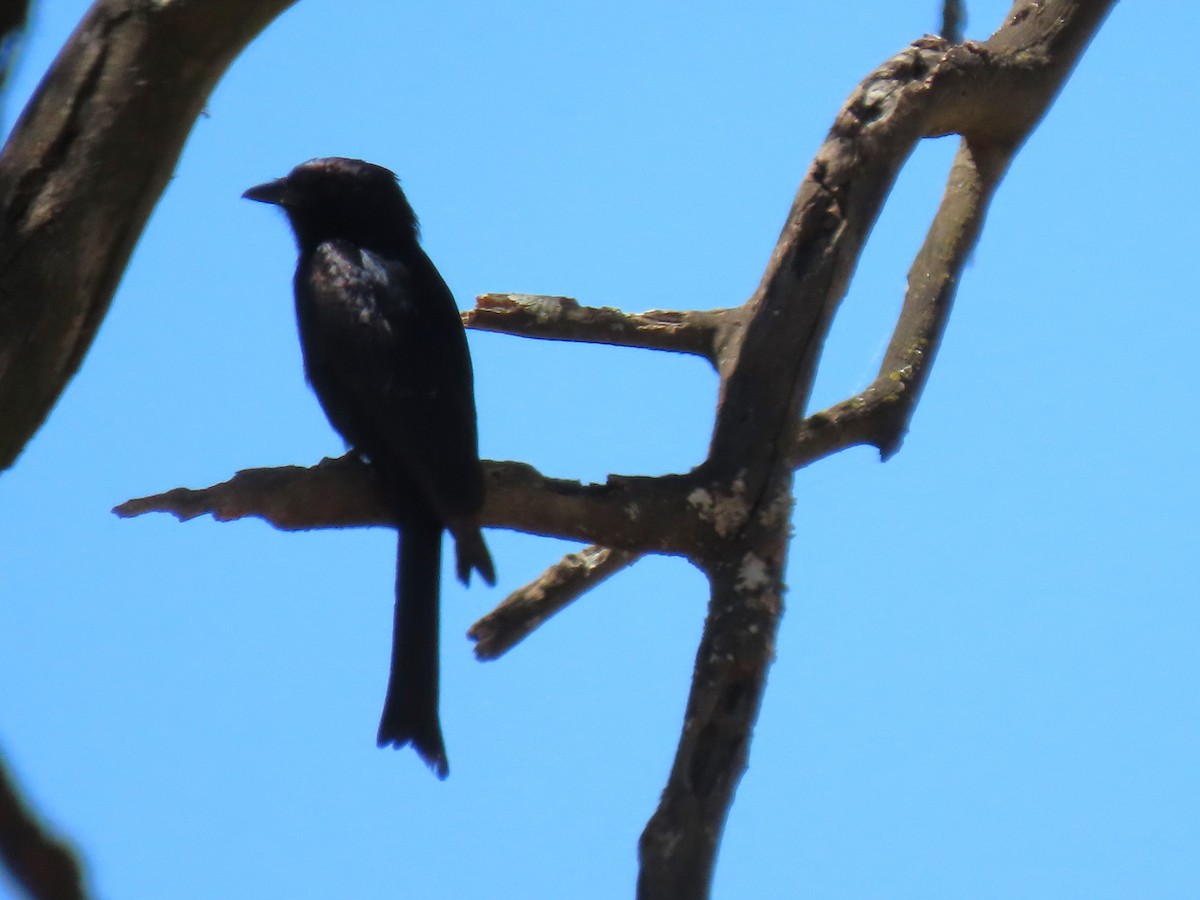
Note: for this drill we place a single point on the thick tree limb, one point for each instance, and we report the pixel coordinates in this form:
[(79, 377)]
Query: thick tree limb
[(679, 844), (992, 94), (528, 607), (79, 176), (83, 169)]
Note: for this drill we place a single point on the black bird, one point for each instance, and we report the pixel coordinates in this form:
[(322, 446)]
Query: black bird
[(385, 352)]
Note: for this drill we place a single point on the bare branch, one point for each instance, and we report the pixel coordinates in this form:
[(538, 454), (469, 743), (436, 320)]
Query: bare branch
[(563, 319), (44, 867), (528, 607), (678, 847), (633, 513), (880, 414), (83, 169), (871, 417), (335, 493), (992, 93), (934, 276)]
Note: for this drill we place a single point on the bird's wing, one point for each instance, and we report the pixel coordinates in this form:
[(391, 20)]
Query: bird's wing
[(386, 353)]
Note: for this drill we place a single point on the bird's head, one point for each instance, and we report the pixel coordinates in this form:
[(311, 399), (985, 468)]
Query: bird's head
[(334, 197)]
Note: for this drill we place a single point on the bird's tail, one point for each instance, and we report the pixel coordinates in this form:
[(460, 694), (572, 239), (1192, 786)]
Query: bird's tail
[(470, 552), (410, 709)]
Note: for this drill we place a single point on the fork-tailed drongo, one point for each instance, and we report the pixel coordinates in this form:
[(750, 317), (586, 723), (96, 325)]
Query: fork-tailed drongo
[(385, 352)]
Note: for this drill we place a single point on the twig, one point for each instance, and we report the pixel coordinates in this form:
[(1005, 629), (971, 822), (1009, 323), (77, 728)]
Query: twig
[(334, 493), (528, 607), (563, 319)]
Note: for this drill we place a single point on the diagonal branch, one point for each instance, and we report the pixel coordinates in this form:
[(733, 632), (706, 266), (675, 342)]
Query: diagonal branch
[(880, 414), (82, 171), (526, 608), (992, 94)]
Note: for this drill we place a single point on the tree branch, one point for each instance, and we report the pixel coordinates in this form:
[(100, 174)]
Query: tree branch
[(678, 847), (45, 868), (880, 414), (526, 608), (82, 171), (993, 94), (631, 513), (701, 333), (79, 176)]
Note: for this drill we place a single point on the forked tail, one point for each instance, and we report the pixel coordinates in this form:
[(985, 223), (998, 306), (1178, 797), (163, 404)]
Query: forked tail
[(410, 709)]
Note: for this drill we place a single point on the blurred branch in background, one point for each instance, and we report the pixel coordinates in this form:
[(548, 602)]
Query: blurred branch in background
[(44, 868), (14, 15), (79, 175), (82, 171)]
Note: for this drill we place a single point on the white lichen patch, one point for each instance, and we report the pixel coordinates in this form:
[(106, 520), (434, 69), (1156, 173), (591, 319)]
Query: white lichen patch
[(543, 309), (632, 511), (727, 512), (753, 574)]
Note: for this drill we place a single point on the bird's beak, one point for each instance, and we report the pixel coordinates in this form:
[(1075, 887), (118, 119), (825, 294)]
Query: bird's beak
[(272, 192)]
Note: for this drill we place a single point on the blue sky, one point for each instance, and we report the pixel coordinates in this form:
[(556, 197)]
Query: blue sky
[(987, 683)]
